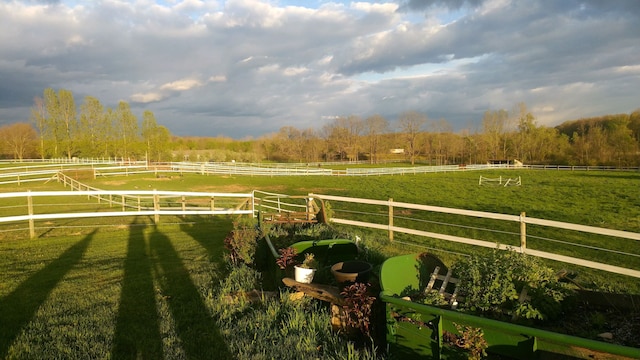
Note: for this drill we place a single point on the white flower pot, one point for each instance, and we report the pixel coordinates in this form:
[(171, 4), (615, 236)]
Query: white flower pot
[(304, 275)]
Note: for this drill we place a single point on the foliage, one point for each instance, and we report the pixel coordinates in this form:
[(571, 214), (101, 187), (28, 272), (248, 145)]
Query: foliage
[(492, 283), (309, 261), (470, 339), (433, 298), (358, 306), (242, 241)]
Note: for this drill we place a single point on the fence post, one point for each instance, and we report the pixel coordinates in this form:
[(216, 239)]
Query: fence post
[(156, 207), (123, 203), (212, 204), (32, 228), (390, 219), (523, 232)]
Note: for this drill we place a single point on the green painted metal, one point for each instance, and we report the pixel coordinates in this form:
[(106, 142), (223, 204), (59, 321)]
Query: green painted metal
[(416, 330), (327, 252)]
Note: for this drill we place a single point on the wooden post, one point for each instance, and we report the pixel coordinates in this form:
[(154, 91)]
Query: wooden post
[(390, 219), (156, 208), (184, 205), (123, 202), (212, 204), (523, 232), (32, 228)]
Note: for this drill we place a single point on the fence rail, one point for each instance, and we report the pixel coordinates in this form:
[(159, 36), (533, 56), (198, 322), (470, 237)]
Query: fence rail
[(43, 171), (132, 202), (391, 206), (158, 203)]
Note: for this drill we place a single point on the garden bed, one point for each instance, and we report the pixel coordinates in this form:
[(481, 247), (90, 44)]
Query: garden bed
[(417, 329)]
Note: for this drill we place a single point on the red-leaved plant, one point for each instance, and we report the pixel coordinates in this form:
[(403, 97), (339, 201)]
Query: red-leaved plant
[(287, 257), (358, 306)]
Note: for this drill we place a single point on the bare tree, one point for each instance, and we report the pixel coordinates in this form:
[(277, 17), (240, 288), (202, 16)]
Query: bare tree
[(19, 139), (375, 126), (411, 125)]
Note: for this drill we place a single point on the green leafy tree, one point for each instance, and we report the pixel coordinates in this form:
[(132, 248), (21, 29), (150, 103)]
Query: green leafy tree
[(91, 134), (127, 130), (156, 138), (39, 119)]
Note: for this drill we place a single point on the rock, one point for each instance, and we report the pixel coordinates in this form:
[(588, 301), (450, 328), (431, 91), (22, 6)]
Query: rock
[(296, 296)]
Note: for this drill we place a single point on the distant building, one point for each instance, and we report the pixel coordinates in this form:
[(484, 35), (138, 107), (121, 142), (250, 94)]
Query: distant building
[(514, 162), (397, 151)]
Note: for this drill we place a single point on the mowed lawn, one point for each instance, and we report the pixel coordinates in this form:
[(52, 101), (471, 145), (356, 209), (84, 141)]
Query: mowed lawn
[(138, 292)]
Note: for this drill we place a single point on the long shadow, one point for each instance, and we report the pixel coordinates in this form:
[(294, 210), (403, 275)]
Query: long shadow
[(17, 308), (210, 233), (137, 334), (195, 326)]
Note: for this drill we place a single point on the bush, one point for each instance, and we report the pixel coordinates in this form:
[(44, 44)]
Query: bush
[(242, 241), (492, 283)]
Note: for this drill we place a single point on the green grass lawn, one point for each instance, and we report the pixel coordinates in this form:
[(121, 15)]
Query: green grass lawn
[(132, 293), (124, 288)]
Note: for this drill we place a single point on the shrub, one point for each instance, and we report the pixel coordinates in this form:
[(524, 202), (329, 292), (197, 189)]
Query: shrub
[(358, 306), (492, 283), (242, 241)]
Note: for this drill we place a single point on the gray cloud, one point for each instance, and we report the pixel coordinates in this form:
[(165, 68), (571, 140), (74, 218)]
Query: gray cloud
[(246, 67)]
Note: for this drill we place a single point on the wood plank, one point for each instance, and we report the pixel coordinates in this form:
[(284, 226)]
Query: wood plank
[(319, 291)]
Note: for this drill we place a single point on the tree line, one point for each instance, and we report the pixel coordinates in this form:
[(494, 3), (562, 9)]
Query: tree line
[(58, 129)]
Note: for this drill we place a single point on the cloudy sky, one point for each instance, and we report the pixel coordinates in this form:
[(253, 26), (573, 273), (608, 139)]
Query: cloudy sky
[(243, 68)]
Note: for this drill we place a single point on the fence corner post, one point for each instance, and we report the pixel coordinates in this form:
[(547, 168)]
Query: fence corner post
[(156, 207), (32, 228), (523, 232), (390, 219)]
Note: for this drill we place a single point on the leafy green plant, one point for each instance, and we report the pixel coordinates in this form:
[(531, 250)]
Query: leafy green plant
[(309, 262), (242, 241), (469, 338), (493, 282)]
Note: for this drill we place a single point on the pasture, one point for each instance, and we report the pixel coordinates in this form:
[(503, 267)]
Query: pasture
[(126, 288)]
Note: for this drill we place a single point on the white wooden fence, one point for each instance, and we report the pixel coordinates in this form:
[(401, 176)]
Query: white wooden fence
[(41, 172), (131, 203), (391, 207)]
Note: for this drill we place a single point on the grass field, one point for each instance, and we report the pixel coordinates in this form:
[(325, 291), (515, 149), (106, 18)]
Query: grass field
[(129, 289)]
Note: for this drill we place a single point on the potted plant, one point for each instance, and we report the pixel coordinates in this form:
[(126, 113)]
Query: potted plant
[(304, 272)]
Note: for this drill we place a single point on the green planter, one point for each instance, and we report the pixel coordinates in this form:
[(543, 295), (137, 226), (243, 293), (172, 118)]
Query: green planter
[(417, 330)]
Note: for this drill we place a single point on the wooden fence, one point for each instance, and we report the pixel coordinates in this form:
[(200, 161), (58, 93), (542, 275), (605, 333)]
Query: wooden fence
[(391, 208), (130, 202)]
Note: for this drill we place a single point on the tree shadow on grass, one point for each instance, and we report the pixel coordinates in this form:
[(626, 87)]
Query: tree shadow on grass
[(194, 324), (137, 334), (17, 308), (210, 232)]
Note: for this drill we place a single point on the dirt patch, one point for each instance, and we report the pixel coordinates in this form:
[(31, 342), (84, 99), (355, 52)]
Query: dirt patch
[(115, 182), (223, 189)]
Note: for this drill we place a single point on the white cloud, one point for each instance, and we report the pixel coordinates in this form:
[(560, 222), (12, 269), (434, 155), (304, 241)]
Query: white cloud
[(221, 65), (147, 97), (181, 85)]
